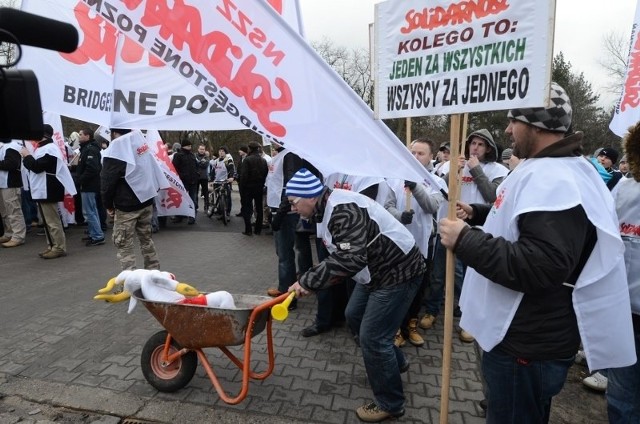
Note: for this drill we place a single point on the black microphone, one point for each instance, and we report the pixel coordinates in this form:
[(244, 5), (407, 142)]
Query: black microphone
[(34, 30)]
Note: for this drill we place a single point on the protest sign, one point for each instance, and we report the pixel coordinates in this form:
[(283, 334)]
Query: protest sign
[(442, 57)]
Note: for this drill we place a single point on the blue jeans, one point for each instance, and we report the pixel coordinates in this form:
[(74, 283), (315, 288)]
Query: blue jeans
[(375, 316), (435, 291), (519, 390), (623, 390), (285, 242), (90, 213)]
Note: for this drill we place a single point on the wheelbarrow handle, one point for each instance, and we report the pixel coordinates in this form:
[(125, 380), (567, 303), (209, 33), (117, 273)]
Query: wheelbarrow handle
[(280, 311)]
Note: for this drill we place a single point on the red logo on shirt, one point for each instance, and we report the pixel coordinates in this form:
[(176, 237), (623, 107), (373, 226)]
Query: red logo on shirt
[(142, 149), (499, 200), (629, 229)]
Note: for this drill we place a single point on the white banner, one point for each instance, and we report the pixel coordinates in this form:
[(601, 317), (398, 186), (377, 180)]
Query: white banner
[(627, 111), (436, 57), (112, 81), (244, 58), (175, 200)]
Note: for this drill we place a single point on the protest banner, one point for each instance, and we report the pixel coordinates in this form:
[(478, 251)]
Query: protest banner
[(175, 200), (111, 80), (243, 58), (441, 57), (627, 110)]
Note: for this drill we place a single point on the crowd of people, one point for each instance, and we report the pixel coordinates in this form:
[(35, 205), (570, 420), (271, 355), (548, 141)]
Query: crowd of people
[(545, 238)]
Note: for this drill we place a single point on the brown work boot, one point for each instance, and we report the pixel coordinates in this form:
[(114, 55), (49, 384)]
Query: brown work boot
[(274, 292), (4, 239), (427, 321), (399, 340), (371, 413), (466, 337), (53, 254), (12, 243), (414, 338)]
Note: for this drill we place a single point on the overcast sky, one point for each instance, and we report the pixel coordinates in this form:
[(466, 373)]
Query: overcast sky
[(580, 29)]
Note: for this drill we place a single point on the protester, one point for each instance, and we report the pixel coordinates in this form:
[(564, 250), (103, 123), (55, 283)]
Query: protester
[(186, 165), (364, 242), (49, 177), (130, 180), (623, 167), (424, 202), (607, 158), (15, 229), (222, 169), (253, 173), (88, 178), (546, 269), (623, 391), (202, 157)]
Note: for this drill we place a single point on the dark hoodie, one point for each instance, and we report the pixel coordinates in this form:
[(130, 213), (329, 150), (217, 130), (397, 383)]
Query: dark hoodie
[(492, 155)]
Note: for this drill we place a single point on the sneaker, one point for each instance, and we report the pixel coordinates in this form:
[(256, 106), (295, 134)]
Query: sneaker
[(87, 238), (414, 337), (466, 337), (313, 330), (427, 321), (96, 242), (581, 358), (12, 243), (596, 382), (399, 340), (274, 292), (371, 413), (53, 254)]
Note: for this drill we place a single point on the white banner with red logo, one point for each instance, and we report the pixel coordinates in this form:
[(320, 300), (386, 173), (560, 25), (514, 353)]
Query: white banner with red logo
[(627, 110), (175, 200), (113, 81), (437, 57), (243, 57)]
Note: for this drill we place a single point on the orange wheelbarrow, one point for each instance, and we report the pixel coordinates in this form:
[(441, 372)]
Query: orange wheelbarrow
[(170, 357)]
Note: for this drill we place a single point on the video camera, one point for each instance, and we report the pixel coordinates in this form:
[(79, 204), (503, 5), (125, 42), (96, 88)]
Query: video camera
[(20, 106)]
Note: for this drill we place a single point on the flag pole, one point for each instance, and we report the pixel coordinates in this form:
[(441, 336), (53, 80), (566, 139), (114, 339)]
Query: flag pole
[(407, 192), (454, 176)]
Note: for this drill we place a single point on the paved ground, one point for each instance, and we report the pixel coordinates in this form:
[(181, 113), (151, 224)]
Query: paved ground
[(67, 358)]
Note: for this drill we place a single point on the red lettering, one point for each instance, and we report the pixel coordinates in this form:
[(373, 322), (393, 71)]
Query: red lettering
[(173, 199), (632, 84), (182, 24), (629, 229), (142, 149), (99, 41), (455, 13)]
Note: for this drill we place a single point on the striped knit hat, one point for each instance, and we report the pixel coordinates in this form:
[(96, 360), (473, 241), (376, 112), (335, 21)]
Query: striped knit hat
[(304, 184)]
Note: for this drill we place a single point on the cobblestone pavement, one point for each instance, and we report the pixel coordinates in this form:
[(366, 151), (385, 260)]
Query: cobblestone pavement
[(60, 349)]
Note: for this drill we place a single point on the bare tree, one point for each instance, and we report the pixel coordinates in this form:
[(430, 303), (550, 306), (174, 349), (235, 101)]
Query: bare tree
[(352, 65), (614, 62), (8, 50)]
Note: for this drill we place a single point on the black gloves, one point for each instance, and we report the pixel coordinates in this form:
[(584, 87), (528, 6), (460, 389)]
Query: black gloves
[(276, 221), (410, 184), (407, 216)]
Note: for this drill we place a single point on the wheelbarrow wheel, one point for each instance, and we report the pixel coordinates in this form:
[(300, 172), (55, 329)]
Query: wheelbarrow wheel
[(166, 378)]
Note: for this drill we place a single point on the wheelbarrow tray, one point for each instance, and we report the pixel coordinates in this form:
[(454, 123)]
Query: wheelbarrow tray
[(197, 327)]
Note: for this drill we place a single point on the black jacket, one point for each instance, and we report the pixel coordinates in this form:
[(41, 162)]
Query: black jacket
[(11, 163), (114, 189), (203, 166), (253, 171), (186, 166), (552, 249), (89, 166), (48, 164)]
